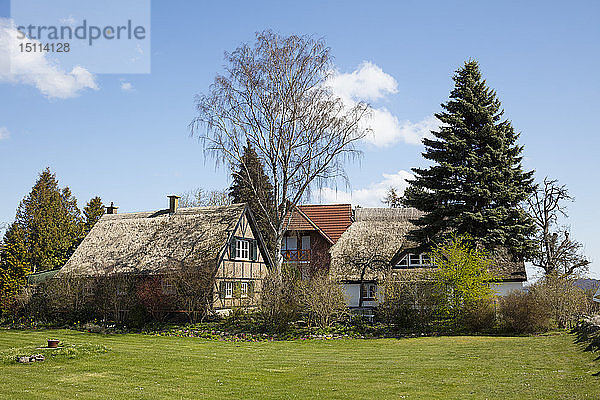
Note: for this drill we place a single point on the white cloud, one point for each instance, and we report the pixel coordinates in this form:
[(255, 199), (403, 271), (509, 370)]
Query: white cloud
[(35, 69), (387, 130), (370, 196), (4, 133), (126, 86), (369, 83)]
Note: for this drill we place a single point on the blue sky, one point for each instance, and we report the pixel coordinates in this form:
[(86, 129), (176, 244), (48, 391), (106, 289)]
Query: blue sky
[(125, 137)]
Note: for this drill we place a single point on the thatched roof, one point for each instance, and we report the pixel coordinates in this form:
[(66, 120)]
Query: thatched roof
[(379, 237), (375, 237), (155, 242)]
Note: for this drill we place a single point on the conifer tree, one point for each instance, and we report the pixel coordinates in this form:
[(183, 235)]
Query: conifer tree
[(476, 184), (257, 195), (48, 223), (92, 211), (13, 269)]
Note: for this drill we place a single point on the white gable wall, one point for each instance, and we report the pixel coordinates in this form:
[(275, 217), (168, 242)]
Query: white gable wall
[(504, 288)]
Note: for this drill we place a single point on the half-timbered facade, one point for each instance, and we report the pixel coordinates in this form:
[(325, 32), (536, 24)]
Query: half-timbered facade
[(242, 268)]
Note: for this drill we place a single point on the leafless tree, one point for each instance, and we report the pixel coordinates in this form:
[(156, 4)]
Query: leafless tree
[(556, 250), (204, 198), (280, 300), (274, 96), (194, 290), (323, 299), (3, 227), (392, 198), (559, 296)]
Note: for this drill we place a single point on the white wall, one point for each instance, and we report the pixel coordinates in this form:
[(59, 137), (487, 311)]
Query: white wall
[(504, 288), (352, 292)]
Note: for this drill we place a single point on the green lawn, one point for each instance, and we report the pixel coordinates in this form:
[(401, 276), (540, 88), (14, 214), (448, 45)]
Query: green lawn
[(138, 366)]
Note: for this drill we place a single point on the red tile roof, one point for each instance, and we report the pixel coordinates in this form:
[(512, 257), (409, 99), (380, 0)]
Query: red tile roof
[(331, 219)]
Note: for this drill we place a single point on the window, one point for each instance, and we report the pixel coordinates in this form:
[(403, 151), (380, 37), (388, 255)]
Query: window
[(403, 263), (242, 249), (88, 289), (228, 290), (244, 289), (372, 291), (167, 286), (413, 260), (425, 260), (369, 291), (290, 243), (305, 242)]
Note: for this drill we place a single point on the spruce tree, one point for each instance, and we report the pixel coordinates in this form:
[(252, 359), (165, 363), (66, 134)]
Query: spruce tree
[(48, 223), (251, 185), (476, 184)]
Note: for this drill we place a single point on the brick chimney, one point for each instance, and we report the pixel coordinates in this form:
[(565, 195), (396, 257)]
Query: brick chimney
[(112, 209), (173, 203)]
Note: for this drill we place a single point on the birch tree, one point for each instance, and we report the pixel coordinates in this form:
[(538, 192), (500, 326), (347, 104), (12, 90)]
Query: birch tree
[(273, 95)]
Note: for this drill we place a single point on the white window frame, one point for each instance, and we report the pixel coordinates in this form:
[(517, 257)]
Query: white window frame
[(229, 290), (407, 261), (425, 263), (372, 291), (244, 289), (242, 249), (403, 261)]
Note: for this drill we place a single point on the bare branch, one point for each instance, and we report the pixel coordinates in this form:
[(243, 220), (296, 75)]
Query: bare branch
[(273, 96), (556, 251)]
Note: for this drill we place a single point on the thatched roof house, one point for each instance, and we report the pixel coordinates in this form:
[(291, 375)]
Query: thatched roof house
[(223, 242), (377, 243)]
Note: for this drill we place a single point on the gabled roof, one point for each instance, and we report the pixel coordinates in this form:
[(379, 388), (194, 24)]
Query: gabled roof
[(381, 233), (155, 242), (375, 236), (331, 220)]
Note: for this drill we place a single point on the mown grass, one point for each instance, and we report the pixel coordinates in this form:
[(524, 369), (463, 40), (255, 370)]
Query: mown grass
[(153, 367)]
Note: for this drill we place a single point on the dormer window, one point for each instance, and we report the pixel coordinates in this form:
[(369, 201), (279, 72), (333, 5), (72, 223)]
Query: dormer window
[(414, 260)]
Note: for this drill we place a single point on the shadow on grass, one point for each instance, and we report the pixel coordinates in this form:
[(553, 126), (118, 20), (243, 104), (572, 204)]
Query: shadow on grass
[(587, 337)]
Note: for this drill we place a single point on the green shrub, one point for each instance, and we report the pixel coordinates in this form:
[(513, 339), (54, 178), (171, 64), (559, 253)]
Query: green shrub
[(462, 276), (408, 306)]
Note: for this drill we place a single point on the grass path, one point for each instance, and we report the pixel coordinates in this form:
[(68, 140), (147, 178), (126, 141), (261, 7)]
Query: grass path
[(148, 367)]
